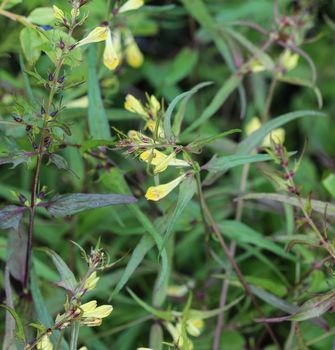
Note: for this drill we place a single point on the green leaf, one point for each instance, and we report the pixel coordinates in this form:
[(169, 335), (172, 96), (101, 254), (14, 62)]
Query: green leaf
[(31, 43), (318, 206), (256, 138), (68, 281), (9, 340), (19, 327), (240, 232), (11, 216), (42, 310), (97, 118), (181, 66), (227, 162), (163, 315), (329, 184), (69, 204), (187, 190), (42, 16), (185, 95), (145, 244), (220, 97), (15, 159)]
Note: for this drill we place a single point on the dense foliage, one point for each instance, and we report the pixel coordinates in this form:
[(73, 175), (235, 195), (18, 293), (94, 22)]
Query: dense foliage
[(167, 174)]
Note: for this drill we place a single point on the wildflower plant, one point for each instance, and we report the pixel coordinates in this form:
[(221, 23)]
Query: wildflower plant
[(175, 133)]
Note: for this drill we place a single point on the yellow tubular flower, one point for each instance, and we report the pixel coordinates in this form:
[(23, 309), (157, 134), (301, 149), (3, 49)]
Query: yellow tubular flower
[(111, 59), (160, 160), (154, 105), (91, 282), (133, 54), (277, 135), (131, 5), (289, 60), (194, 326), (96, 35), (90, 310), (58, 13), (132, 104), (44, 343), (155, 193)]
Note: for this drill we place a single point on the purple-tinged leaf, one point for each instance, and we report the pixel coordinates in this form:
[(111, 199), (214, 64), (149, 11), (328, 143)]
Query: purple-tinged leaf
[(16, 250), (311, 309), (11, 216), (68, 281), (16, 159), (69, 204)]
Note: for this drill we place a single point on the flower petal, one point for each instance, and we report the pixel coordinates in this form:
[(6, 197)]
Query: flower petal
[(131, 5), (155, 193), (111, 59), (98, 34)]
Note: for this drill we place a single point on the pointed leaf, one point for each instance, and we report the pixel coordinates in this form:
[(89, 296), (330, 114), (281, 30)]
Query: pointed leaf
[(10, 217), (69, 204)]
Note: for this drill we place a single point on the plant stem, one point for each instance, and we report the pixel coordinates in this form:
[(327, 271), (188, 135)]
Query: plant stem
[(217, 233), (232, 248)]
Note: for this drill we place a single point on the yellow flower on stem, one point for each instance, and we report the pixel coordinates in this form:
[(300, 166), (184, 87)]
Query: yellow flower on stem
[(161, 161), (44, 343), (132, 104), (91, 315), (155, 193), (194, 326), (111, 59), (289, 60), (277, 135), (58, 13), (131, 5), (98, 34), (91, 282), (176, 334), (133, 54)]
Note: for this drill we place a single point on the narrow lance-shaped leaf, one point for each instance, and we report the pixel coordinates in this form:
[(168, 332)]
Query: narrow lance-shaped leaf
[(69, 204), (176, 100), (68, 281), (10, 217), (318, 206), (220, 97), (145, 244), (187, 190), (256, 138), (97, 118), (227, 162)]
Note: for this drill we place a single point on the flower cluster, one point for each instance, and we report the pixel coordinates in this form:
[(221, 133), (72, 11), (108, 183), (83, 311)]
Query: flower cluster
[(87, 314), (118, 41), (146, 148)]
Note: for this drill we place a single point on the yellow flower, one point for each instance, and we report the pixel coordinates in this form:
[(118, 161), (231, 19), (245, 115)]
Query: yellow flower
[(77, 12), (91, 282), (133, 54), (177, 291), (154, 105), (131, 5), (96, 35), (44, 343), (256, 66), (194, 326), (277, 135), (289, 60), (91, 315), (111, 59), (161, 161), (155, 193), (58, 13), (83, 348), (176, 334), (132, 104)]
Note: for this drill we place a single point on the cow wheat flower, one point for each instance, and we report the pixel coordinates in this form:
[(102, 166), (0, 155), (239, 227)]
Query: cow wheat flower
[(98, 34), (278, 135), (44, 343), (160, 161), (131, 5), (58, 13), (91, 315), (111, 58), (156, 193)]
